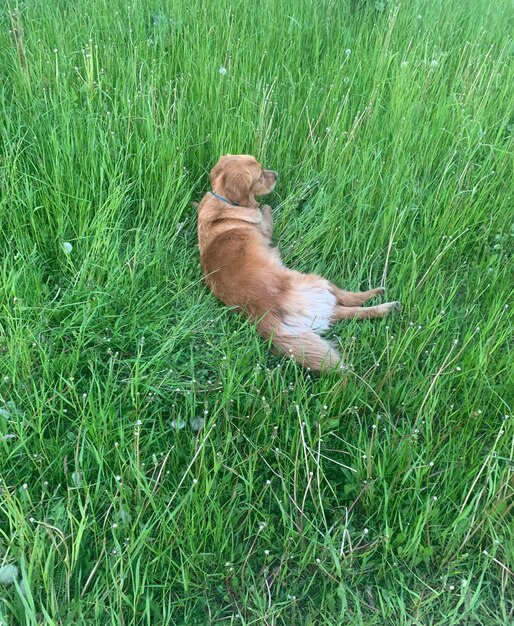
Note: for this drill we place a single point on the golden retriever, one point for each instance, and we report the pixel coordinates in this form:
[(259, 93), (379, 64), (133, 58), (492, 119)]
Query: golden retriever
[(244, 271)]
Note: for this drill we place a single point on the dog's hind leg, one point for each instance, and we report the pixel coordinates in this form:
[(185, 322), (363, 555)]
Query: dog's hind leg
[(355, 298), (362, 313)]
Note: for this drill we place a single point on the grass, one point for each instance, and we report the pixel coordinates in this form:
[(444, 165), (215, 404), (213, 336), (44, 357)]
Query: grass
[(388, 501)]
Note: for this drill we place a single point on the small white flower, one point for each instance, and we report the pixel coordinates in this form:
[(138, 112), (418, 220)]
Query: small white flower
[(76, 477), (197, 423), (223, 71), (67, 247), (434, 63), (8, 574), (347, 52), (403, 64)]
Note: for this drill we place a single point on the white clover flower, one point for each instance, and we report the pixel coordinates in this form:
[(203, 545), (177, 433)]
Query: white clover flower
[(434, 63), (403, 64), (67, 247), (197, 423), (223, 71), (76, 477), (8, 574), (347, 52)]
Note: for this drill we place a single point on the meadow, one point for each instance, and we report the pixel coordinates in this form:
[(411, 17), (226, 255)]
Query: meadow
[(158, 465)]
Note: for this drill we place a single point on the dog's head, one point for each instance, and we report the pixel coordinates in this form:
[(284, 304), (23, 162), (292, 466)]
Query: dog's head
[(239, 178)]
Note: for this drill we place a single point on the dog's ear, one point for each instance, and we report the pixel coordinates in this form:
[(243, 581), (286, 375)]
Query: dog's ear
[(215, 173), (237, 186)]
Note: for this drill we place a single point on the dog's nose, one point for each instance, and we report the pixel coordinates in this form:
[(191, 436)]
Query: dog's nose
[(275, 175)]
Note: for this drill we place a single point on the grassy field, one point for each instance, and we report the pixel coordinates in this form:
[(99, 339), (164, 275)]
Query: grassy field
[(158, 466)]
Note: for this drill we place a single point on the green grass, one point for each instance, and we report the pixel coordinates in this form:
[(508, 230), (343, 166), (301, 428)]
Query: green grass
[(385, 501)]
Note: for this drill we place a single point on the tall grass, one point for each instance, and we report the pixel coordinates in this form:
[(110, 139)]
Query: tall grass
[(302, 500)]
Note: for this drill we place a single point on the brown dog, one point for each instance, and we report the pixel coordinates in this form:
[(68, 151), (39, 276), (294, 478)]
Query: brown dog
[(243, 270)]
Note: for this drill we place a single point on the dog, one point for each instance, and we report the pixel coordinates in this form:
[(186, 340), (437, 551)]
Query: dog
[(245, 271)]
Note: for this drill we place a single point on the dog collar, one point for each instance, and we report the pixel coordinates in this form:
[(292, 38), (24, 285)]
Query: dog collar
[(216, 195)]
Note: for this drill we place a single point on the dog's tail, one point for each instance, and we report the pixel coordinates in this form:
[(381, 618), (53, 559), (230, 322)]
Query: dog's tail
[(308, 348)]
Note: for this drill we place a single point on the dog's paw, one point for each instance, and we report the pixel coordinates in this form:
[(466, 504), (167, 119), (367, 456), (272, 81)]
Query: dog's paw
[(389, 307)]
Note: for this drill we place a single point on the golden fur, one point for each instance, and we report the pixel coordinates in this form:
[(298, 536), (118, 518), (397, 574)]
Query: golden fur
[(243, 270)]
